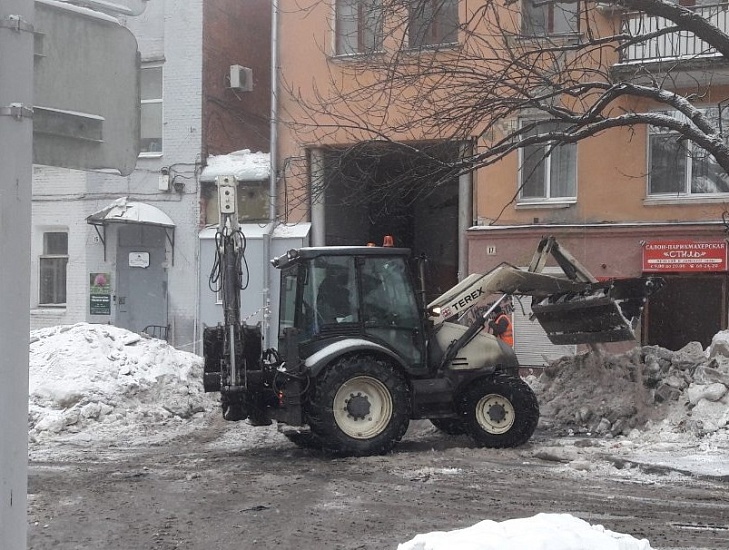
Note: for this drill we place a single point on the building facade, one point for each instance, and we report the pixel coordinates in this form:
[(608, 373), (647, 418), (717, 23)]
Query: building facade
[(126, 250), (626, 202)]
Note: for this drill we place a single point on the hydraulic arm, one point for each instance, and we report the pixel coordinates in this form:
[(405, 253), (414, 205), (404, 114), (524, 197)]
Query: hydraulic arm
[(572, 309), (229, 243)]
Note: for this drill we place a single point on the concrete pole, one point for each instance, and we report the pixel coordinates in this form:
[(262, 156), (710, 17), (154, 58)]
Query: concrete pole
[(16, 166)]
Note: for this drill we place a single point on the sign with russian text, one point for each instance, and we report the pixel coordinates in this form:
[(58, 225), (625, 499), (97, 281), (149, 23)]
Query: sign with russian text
[(100, 293), (684, 256)]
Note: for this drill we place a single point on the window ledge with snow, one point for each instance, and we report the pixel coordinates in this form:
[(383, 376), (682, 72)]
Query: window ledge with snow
[(52, 309), (660, 200), (561, 203)]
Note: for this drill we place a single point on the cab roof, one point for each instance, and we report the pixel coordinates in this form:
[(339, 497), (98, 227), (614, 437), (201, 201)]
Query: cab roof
[(307, 253)]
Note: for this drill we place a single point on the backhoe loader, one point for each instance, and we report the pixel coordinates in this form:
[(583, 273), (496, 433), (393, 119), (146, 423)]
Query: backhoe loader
[(360, 353)]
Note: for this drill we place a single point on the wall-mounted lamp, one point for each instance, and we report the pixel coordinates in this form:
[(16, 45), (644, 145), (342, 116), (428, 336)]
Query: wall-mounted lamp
[(164, 179)]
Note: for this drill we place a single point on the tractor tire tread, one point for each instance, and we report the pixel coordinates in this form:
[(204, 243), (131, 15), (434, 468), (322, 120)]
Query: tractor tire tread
[(522, 399), (320, 417)]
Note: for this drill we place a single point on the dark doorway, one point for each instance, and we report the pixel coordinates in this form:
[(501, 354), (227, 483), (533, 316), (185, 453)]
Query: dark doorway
[(374, 190), (688, 309)]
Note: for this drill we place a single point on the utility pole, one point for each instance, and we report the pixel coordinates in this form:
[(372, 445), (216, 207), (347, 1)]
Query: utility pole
[(16, 165)]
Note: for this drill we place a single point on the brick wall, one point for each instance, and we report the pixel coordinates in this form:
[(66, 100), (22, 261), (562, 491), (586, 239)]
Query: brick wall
[(236, 33)]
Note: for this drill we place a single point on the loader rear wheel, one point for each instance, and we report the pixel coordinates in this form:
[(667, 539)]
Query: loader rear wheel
[(451, 426), (359, 406), (499, 411)]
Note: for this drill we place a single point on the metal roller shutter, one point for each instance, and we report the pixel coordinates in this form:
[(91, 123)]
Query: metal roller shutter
[(532, 347)]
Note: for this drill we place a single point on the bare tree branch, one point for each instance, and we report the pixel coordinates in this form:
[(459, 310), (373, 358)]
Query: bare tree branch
[(498, 87)]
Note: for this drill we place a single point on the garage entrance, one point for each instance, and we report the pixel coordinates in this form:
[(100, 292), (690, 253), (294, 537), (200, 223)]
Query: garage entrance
[(375, 190)]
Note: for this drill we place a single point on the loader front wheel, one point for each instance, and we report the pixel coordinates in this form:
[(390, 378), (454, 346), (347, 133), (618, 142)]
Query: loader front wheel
[(499, 411), (359, 406)]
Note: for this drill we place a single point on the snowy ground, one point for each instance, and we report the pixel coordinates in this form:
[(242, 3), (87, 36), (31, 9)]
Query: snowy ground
[(95, 386)]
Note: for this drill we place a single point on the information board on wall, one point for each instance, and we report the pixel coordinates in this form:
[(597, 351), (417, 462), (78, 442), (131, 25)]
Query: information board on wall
[(100, 293)]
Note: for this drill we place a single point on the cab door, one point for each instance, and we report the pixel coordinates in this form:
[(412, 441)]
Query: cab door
[(390, 312)]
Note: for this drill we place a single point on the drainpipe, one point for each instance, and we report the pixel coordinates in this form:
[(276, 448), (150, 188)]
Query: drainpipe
[(318, 219), (273, 181), (197, 322), (465, 214)]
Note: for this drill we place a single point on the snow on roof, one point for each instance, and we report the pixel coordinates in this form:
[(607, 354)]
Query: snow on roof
[(123, 210), (87, 12), (258, 230), (244, 165)]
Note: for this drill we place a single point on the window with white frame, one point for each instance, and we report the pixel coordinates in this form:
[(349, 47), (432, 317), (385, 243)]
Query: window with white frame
[(358, 26), (548, 171), (53, 264), (151, 115), (540, 18), (432, 22), (677, 166)]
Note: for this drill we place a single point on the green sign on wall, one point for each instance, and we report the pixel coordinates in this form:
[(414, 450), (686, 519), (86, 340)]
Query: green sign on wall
[(100, 293)]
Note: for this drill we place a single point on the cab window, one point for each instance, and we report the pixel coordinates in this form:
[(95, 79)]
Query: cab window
[(387, 294)]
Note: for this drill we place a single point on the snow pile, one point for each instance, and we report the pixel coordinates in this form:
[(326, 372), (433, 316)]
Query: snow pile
[(99, 382), (92, 378), (648, 388), (540, 532)]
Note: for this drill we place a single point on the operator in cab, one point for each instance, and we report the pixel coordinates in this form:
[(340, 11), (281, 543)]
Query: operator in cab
[(500, 326)]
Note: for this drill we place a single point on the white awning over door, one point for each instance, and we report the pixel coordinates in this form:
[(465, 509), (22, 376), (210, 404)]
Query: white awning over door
[(123, 210)]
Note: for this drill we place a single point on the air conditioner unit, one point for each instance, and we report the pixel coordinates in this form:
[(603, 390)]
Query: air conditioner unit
[(241, 78)]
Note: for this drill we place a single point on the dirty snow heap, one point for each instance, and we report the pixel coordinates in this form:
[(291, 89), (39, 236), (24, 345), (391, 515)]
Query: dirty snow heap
[(648, 388), (88, 378)]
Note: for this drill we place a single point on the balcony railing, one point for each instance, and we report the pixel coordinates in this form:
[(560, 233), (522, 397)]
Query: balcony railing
[(676, 45)]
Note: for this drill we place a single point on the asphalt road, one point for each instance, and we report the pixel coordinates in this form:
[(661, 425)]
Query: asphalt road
[(193, 493)]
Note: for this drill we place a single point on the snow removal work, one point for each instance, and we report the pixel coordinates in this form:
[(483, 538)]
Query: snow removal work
[(360, 352)]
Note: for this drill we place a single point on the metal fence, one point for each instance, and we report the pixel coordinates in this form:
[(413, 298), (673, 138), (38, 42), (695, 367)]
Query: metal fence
[(675, 45)]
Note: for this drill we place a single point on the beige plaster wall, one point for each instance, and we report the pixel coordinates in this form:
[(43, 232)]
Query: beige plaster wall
[(612, 167)]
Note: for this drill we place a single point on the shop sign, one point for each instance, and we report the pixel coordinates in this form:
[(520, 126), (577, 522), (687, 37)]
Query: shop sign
[(684, 256)]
